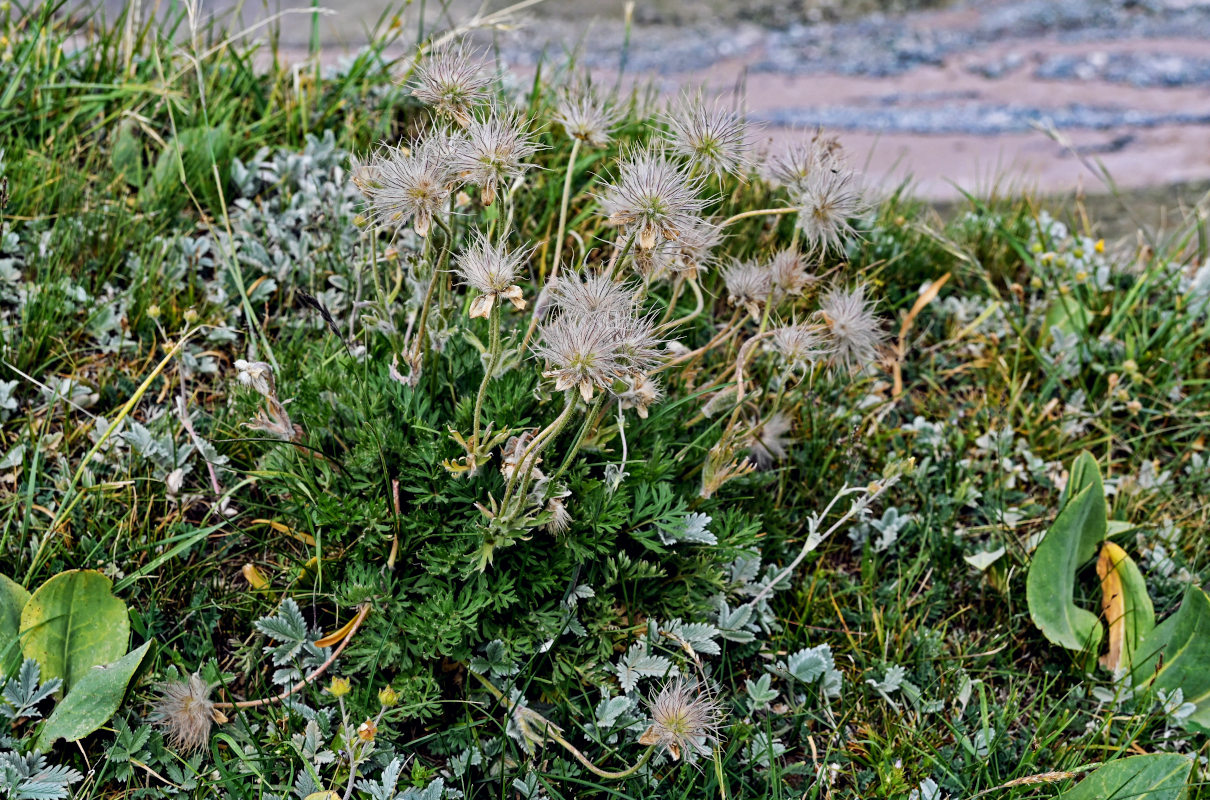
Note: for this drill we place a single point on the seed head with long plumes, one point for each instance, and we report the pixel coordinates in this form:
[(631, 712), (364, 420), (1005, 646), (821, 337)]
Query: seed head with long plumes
[(767, 440), (585, 116), (494, 151), (791, 167), (641, 393), (653, 198), (802, 346), (712, 136), (853, 327), (695, 248), (186, 712), (402, 184), (789, 273), (588, 352), (452, 80), (685, 716), (594, 294), (749, 285), (492, 270), (827, 200)]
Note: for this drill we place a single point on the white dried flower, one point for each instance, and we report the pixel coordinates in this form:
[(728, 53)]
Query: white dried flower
[(791, 167), (854, 328), (585, 116), (695, 248), (494, 151), (490, 269), (642, 392), (653, 199), (684, 717), (749, 285), (186, 712), (453, 81), (711, 136), (826, 202), (403, 184), (256, 374)]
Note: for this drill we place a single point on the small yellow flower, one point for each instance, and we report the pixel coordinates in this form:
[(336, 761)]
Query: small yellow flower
[(1099, 246), (339, 687), (388, 697)]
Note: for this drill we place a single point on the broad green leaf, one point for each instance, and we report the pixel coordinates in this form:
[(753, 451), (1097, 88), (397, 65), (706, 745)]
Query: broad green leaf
[(1068, 315), (1160, 776), (1125, 605), (13, 598), (92, 700), (1176, 654), (73, 623), (1071, 541)]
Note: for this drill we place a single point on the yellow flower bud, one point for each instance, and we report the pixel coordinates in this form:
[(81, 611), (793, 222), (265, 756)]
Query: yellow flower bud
[(339, 687), (388, 697)]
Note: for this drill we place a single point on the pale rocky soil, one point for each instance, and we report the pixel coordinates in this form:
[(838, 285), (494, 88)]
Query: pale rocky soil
[(956, 97)]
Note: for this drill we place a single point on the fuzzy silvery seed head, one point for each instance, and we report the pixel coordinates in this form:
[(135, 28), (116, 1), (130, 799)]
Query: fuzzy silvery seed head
[(490, 269), (653, 198), (589, 352), (654, 263), (827, 200), (696, 247), (710, 135), (186, 712), (684, 717), (403, 184), (767, 441), (560, 517), (801, 345), (791, 167), (494, 151), (852, 325), (789, 273), (585, 116), (749, 284), (452, 80), (594, 294)]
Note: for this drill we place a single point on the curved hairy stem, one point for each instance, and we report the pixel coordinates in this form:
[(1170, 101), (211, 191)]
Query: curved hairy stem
[(760, 212)]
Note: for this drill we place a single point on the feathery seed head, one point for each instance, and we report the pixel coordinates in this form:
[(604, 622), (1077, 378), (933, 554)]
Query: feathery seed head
[(791, 167), (585, 116), (767, 441), (186, 712), (594, 294), (404, 184), (827, 200), (696, 247), (684, 716), (789, 273), (451, 79), (801, 345), (493, 152), (491, 269), (653, 199), (710, 135), (854, 328), (642, 392), (589, 352), (749, 285)]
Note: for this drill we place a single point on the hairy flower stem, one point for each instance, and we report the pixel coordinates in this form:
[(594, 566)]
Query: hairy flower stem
[(552, 733), (559, 236), (692, 315), (589, 419), (760, 212), (493, 362), (442, 262), (539, 442)]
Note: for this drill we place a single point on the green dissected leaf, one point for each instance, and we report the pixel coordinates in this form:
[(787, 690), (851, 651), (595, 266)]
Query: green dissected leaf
[(73, 623), (13, 598), (1160, 776), (1177, 653), (1072, 541), (92, 700)]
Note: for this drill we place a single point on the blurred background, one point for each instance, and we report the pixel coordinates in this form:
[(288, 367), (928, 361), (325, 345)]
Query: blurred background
[(969, 95)]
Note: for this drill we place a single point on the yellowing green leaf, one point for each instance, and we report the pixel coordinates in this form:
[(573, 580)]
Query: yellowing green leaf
[(1125, 605), (73, 623)]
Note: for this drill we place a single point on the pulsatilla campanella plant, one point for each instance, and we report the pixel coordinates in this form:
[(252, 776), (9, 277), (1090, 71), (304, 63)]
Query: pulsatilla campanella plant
[(647, 304)]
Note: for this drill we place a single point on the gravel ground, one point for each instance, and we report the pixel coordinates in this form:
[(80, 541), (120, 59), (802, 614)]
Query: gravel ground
[(947, 93)]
